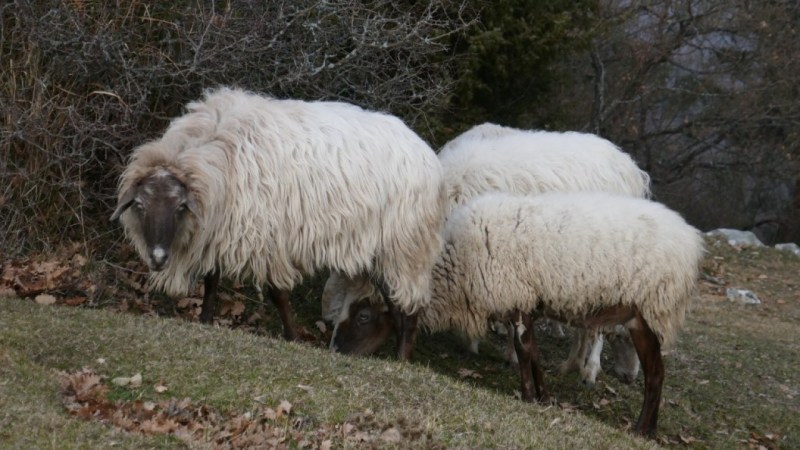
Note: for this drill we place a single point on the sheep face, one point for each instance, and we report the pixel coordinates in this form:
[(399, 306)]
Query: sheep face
[(364, 330), (626, 361), (158, 206)]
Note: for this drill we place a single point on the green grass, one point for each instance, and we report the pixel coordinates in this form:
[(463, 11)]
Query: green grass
[(230, 370), (732, 380)]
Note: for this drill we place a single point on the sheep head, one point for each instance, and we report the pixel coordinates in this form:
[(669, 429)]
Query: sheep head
[(364, 330), (158, 207), (362, 319)]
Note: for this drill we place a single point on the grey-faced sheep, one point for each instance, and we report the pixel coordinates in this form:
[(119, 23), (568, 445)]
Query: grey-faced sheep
[(254, 188), (491, 157), (590, 259)]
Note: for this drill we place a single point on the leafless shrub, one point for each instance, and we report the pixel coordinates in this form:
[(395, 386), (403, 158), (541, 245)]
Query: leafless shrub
[(704, 95), (83, 82)]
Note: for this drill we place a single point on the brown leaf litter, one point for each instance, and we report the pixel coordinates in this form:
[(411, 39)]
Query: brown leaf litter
[(86, 396)]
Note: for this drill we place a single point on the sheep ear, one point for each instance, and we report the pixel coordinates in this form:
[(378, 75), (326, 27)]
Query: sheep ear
[(124, 203), (191, 204), (332, 297)]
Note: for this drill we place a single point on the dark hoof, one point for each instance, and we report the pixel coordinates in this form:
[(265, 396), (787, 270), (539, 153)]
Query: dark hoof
[(546, 399), (624, 377)]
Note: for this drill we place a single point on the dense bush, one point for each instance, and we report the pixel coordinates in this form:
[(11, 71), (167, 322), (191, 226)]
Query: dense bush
[(83, 82), (510, 73)]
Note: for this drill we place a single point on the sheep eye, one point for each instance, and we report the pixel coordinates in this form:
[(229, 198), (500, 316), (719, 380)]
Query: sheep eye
[(364, 317), (138, 206), (182, 207)]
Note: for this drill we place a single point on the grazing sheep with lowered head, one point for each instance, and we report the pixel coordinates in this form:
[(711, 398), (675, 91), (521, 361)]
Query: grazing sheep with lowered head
[(250, 187), (491, 157), (591, 259)]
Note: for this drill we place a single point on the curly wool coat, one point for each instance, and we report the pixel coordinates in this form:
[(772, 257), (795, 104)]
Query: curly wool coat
[(284, 187), (566, 254)]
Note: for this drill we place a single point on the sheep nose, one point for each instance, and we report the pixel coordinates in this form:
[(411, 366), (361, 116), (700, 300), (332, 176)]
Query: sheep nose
[(158, 257)]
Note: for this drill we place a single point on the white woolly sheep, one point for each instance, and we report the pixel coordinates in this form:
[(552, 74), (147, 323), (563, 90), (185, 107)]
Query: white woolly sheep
[(491, 157), (591, 259), (477, 133), (251, 187), (535, 162)]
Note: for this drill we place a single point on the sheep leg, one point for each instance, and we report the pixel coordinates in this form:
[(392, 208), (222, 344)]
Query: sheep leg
[(510, 352), (405, 326), (530, 370), (210, 285), (591, 365), (408, 336), (649, 350), (280, 298), (579, 351)]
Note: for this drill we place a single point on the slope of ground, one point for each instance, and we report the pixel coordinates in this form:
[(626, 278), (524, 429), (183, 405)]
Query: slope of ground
[(732, 379)]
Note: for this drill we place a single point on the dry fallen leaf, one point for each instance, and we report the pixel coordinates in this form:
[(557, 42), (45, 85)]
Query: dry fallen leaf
[(121, 381), (160, 388), (132, 382), (321, 326), (567, 406), (392, 436), (197, 425), (189, 302), (237, 309), (79, 260), (82, 386), (464, 373), (285, 408), (45, 299), (74, 301), (136, 380)]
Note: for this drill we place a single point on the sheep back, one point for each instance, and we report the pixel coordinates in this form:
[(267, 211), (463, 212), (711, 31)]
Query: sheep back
[(567, 254), (486, 130), (534, 162), (285, 187)]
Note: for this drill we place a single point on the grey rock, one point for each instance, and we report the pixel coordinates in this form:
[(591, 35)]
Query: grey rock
[(742, 296), (737, 238), (789, 247)]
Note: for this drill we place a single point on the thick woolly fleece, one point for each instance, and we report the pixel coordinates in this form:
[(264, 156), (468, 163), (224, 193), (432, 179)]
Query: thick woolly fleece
[(493, 158), (569, 254), (285, 187), (490, 157)]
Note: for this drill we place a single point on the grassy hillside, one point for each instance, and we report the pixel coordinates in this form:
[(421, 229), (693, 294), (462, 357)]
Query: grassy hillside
[(731, 381), (234, 372)]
